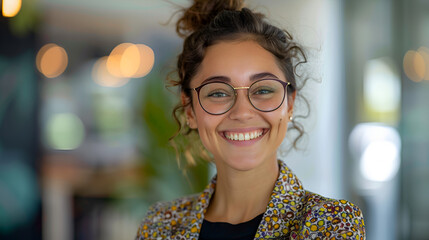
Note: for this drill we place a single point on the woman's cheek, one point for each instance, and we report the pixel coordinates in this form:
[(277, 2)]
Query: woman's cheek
[(282, 124)]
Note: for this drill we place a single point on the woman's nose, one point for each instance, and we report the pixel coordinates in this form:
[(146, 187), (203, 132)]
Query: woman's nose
[(242, 108)]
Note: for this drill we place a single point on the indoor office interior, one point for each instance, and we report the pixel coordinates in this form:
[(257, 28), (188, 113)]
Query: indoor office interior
[(85, 115)]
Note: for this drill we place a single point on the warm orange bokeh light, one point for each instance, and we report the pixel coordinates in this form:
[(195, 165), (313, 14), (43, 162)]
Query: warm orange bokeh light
[(424, 52), (414, 66), (114, 59), (51, 60), (102, 76), (11, 7), (129, 60), (147, 59)]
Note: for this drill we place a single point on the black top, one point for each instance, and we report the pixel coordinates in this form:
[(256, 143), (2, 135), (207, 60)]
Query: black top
[(228, 231)]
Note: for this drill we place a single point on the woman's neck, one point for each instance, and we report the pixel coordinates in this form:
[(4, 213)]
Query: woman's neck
[(242, 195)]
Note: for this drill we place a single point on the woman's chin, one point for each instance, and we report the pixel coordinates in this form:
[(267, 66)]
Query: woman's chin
[(241, 163)]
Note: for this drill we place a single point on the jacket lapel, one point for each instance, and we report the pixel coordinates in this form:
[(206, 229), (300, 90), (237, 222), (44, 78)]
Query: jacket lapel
[(285, 204), (196, 215)]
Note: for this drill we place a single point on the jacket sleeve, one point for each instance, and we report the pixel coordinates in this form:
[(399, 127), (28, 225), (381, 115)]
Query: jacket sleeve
[(148, 229), (333, 219)]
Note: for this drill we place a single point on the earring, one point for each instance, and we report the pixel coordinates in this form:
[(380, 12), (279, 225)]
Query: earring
[(290, 118)]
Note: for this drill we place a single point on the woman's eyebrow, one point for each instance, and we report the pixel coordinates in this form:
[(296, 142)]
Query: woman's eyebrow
[(217, 78), (254, 77), (262, 76)]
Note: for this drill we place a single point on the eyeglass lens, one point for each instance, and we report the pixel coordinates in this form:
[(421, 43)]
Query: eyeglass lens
[(264, 95)]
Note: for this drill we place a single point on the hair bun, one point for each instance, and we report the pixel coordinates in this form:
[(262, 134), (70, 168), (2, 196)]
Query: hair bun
[(202, 12)]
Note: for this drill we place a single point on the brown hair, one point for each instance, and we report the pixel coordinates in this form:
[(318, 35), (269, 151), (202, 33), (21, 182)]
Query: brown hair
[(206, 23)]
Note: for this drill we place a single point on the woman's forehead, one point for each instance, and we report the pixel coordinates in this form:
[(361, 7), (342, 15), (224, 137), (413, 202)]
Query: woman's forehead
[(238, 61)]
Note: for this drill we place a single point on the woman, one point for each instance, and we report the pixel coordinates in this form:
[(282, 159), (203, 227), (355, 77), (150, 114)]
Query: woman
[(237, 78)]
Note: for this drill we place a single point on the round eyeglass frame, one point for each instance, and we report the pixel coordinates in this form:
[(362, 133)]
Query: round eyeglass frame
[(197, 89)]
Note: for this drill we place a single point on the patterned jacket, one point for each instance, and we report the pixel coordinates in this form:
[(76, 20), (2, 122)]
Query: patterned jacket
[(292, 213)]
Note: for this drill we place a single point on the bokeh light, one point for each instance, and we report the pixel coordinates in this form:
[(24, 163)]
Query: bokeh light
[(11, 7), (377, 148), (51, 60), (380, 161), (64, 131), (414, 66), (103, 77), (147, 60), (382, 87), (115, 58), (424, 52), (129, 60)]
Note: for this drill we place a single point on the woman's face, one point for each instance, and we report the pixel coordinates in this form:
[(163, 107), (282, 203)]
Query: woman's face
[(239, 63)]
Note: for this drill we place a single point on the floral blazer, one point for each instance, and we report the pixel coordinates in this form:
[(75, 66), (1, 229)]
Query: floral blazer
[(292, 213)]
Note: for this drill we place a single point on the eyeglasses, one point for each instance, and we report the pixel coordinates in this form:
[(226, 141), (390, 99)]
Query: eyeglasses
[(265, 95)]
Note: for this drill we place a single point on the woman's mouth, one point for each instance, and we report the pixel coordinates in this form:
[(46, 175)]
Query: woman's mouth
[(243, 136)]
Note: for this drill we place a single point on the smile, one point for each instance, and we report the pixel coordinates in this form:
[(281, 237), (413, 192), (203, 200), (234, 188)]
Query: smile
[(244, 136)]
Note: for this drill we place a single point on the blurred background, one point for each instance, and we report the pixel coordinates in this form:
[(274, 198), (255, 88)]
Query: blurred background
[(85, 116)]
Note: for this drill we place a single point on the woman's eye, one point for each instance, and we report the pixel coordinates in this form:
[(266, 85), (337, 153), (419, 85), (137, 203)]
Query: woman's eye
[(263, 91), (217, 94)]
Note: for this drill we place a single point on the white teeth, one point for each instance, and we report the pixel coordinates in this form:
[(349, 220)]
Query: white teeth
[(243, 136), (240, 137)]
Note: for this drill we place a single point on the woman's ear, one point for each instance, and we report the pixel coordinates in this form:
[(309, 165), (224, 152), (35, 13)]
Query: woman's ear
[(189, 111)]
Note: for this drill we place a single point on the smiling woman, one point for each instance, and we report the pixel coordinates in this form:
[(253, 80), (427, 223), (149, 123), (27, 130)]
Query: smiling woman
[(238, 88)]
